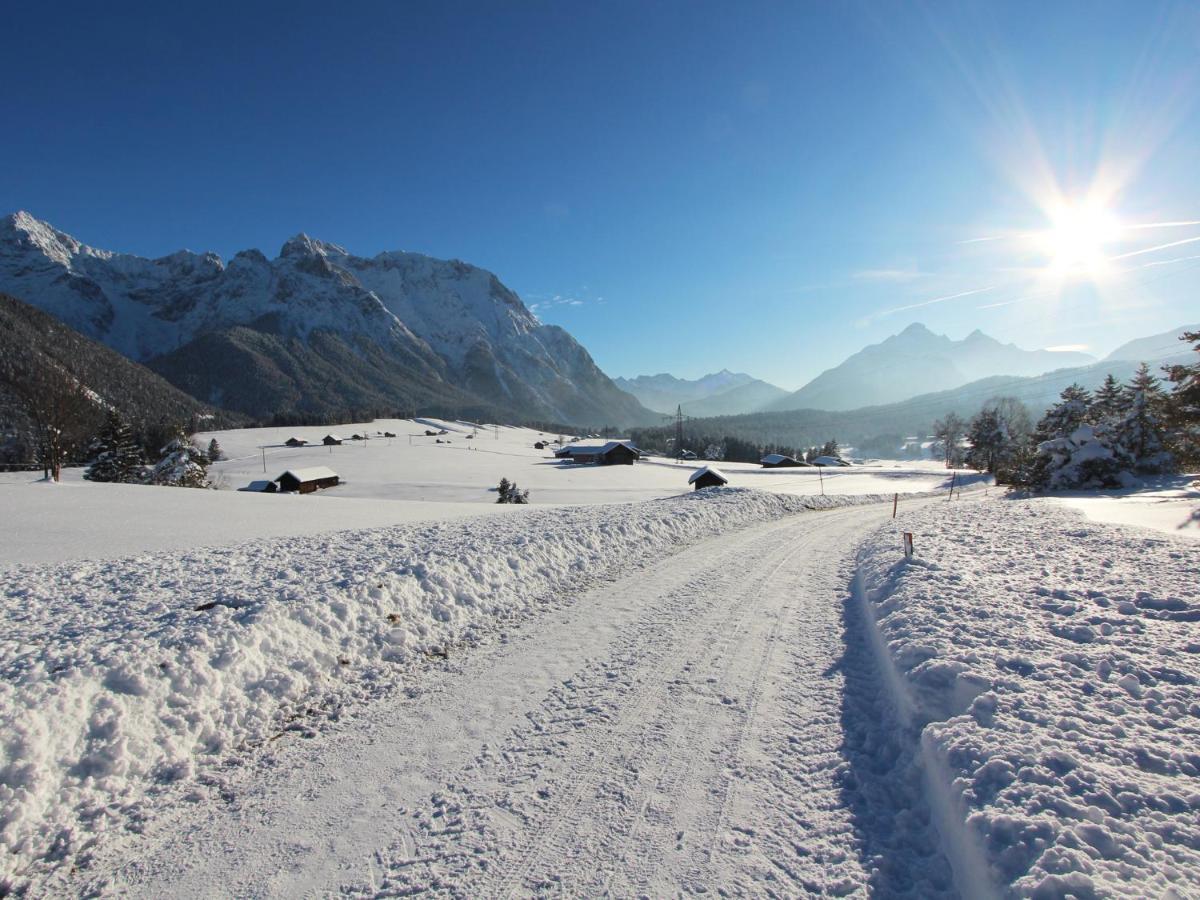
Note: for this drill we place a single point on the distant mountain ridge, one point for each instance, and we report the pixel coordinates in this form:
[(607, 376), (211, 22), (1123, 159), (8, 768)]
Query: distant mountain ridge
[(317, 330), (719, 393), (917, 361)]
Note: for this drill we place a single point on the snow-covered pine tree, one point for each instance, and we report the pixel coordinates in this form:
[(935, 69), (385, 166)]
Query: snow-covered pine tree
[(1076, 447), (182, 464), (1141, 430), (215, 453), (115, 455), (1110, 402), (1183, 407)]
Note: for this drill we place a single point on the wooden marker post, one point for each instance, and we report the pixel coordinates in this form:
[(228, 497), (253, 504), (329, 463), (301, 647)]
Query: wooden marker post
[(895, 503), (953, 477), (908, 545)]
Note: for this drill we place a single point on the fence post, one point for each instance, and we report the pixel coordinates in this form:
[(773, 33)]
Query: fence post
[(908, 545), (895, 503), (953, 477)]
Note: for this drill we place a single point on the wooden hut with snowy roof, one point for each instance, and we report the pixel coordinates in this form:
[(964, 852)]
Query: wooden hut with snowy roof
[(305, 481), (607, 454), (779, 461), (295, 442), (708, 476), (331, 440)]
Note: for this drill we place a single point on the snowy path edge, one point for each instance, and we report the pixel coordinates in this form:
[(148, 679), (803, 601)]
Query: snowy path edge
[(949, 811)]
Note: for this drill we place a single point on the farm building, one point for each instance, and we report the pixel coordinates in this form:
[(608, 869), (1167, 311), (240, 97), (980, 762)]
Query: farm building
[(829, 461), (305, 481), (332, 440), (779, 461), (295, 442), (609, 454), (540, 445), (707, 477), (261, 487)]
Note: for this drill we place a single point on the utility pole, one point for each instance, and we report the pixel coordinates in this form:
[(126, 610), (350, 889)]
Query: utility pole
[(264, 453)]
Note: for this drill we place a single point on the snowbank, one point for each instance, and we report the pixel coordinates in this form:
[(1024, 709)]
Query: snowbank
[(1053, 663), (124, 678)]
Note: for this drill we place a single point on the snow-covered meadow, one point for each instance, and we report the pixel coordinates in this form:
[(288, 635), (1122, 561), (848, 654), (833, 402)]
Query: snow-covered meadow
[(123, 679), (385, 481), (1049, 666)]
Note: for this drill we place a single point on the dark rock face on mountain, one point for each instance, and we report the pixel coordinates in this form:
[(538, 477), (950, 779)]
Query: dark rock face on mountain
[(917, 361), (316, 330)]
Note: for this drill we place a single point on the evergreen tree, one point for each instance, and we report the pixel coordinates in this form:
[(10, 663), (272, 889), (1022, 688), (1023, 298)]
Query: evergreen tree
[(1183, 407), (1059, 422), (831, 448), (509, 492), (181, 464), (115, 455), (1110, 402), (1140, 435), (215, 453)]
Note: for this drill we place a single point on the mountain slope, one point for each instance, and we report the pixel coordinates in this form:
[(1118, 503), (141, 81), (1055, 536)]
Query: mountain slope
[(917, 361), (1156, 347), (32, 341), (878, 430), (719, 393), (334, 330)]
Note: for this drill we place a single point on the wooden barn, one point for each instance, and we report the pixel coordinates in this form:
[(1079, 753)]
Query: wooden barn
[(706, 477), (295, 442), (331, 440), (609, 454), (305, 481), (779, 461), (829, 461), (540, 445)]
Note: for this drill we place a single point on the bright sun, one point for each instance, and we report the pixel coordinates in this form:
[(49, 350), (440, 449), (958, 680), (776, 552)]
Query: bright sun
[(1077, 241)]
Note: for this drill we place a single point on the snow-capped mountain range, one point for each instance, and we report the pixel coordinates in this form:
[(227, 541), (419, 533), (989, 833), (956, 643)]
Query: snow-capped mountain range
[(420, 329), (718, 394)]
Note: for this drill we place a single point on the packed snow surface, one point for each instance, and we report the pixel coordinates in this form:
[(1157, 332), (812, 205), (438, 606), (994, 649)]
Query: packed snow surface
[(1050, 665), (124, 679)]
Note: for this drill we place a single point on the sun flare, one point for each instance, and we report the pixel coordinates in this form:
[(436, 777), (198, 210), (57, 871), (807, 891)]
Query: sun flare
[(1077, 244)]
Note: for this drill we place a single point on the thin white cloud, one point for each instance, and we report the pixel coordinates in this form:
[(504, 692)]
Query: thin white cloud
[(1069, 348)]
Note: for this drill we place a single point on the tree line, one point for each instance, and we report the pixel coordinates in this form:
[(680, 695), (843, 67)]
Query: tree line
[(1101, 439)]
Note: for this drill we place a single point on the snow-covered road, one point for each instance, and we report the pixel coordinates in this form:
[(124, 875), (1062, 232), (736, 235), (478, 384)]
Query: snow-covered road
[(708, 720)]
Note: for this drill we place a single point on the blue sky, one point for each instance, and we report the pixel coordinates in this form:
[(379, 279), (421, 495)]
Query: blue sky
[(683, 186)]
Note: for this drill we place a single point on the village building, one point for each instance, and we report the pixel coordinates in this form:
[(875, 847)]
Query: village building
[(295, 442), (779, 461), (608, 454), (332, 440), (829, 461), (706, 477), (540, 445), (305, 481)]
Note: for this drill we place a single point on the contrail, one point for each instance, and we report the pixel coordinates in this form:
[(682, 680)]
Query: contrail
[(888, 312), (1190, 240), (1164, 224)]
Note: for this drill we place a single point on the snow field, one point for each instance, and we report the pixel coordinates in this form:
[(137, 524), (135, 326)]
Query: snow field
[(125, 679), (1052, 665)]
